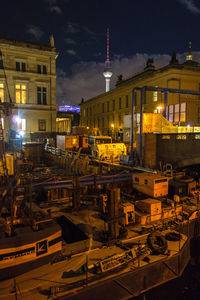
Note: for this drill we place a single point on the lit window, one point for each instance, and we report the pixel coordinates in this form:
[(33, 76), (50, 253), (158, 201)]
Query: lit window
[(21, 124), (181, 137), (42, 125), (197, 136), (1, 92), (176, 113), (171, 113), (41, 95), (165, 137), (155, 96), (20, 93), (183, 112)]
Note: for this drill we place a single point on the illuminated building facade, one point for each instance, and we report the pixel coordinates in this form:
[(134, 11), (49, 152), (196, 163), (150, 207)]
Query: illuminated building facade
[(108, 111), (28, 78)]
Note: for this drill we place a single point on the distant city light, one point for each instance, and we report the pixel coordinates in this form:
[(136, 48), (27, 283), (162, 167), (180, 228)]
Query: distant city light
[(75, 109)]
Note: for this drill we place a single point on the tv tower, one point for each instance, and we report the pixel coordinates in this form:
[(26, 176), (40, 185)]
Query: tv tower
[(107, 70)]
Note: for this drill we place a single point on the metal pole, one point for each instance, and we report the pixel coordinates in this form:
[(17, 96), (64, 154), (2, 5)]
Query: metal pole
[(132, 121), (165, 104), (142, 95)]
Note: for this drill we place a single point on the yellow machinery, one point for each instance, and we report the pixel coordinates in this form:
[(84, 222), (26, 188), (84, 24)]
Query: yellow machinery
[(110, 152), (9, 164)]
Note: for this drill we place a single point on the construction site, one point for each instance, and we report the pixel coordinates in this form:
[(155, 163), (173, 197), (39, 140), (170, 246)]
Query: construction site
[(89, 217)]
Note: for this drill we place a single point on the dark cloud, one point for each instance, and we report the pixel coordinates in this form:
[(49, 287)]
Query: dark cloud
[(72, 28), (69, 41), (53, 6), (190, 5), (71, 52), (56, 9), (35, 31)]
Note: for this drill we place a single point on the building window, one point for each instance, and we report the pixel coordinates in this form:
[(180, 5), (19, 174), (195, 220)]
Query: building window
[(42, 125), (44, 69), (1, 92), (21, 123), (102, 107), (108, 106), (1, 63), (155, 96), (199, 91), (171, 113), (41, 95), (20, 93), (183, 112), (102, 122), (120, 103), (176, 113), (23, 67), (113, 103), (20, 66), (17, 66), (41, 69), (127, 101)]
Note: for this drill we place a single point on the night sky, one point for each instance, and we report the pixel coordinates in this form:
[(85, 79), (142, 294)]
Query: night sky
[(138, 29)]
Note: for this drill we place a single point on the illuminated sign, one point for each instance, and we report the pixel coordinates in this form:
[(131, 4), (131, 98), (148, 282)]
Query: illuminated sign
[(69, 108)]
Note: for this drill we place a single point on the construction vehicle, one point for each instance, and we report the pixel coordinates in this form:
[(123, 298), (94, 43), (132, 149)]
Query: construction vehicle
[(100, 147)]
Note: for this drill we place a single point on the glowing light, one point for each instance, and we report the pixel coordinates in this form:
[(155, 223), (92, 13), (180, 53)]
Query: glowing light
[(17, 119), (75, 109), (21, 133), (112, 125), (188, 125), (87, 127), (159, 108)]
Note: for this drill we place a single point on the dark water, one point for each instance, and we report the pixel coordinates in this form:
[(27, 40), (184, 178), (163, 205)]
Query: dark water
[(186, 287)]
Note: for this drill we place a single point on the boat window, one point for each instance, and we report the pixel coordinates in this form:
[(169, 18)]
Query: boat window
[(136, 179)]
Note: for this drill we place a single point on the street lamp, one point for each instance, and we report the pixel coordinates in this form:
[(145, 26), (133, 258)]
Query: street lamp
[(113, 130), (159, 108)]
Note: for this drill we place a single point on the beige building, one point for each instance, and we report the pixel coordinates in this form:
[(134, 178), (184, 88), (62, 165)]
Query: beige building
[(28, 78), (109, 111)]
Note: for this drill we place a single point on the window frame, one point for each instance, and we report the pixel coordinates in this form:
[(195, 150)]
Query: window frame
[(42, 122)]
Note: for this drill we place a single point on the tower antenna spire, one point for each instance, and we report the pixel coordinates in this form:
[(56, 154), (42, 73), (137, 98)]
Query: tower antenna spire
[(108, 45), (107, 70)]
